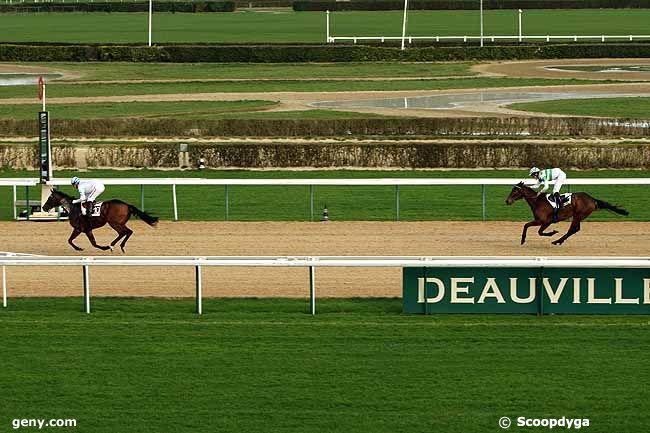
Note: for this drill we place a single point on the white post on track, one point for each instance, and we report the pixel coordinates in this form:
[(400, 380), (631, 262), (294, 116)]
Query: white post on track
[(327, 27), (13, 187), (406, 2), (481, 22), (43, 95), (199, 290), (4, 287), (150, 15), (86, 277), (312, 290), (520, 32), (174, 201)]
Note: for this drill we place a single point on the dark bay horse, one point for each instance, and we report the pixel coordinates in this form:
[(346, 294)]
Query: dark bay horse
[(114, 212), (581, 206)]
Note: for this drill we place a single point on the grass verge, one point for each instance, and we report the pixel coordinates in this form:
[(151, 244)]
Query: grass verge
[(632, 107)]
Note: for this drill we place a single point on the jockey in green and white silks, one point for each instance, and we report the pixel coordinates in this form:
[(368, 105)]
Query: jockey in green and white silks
[(547, 175)]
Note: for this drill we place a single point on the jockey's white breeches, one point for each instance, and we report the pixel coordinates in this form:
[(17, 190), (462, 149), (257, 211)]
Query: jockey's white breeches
[(559, 181), (95, 193)]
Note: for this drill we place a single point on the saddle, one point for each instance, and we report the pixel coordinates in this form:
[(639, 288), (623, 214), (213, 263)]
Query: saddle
[(566, 199)]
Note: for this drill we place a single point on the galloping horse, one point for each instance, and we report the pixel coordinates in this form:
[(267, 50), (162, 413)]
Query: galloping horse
[(581, 206), (114, 212)]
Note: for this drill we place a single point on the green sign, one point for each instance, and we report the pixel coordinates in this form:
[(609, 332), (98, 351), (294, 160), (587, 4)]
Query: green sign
[(526, 290)]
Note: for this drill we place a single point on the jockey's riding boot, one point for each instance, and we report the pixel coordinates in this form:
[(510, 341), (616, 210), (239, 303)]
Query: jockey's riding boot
[(89, 210), (558, 200)]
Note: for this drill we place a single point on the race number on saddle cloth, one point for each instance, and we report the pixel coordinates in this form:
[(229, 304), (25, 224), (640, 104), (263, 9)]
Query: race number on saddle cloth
[(88, 192), (566, 199)]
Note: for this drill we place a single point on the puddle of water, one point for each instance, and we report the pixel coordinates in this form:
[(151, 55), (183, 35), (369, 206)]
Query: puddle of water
[(600, 68), (25, 79), (460, 100)]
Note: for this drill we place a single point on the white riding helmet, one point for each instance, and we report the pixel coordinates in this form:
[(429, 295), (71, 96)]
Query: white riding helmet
[(533, 171), (75, 180)]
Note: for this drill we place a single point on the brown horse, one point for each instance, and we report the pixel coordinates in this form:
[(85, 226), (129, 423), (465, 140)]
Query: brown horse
[(581, 206), (114, 212)]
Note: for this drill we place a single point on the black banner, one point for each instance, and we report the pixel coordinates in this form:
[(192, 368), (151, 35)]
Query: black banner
[(44, 142)]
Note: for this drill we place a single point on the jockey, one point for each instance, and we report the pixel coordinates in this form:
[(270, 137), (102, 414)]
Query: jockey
[(544, 176), (88, 192)]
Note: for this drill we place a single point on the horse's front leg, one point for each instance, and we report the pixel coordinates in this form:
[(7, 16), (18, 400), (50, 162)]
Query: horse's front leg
[(575, 228), (530, 224), (91, 238), (543, 227), (72, 237)]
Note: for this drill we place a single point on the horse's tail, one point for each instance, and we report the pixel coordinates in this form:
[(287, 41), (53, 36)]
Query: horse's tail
[(610, 207), (149, 219)]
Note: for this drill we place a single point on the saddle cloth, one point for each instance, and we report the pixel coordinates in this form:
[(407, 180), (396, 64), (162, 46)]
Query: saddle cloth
[(97, 209), (566, 199)]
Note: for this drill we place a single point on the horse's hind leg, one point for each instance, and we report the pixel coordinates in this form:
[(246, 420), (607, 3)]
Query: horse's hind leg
[(121, 232), (129, 232), (575, 228), (91, 238), (72, 237), (543, 227)]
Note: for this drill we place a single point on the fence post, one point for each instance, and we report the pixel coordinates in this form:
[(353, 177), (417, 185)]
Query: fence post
[(174, 201), (27, 208), (396, 202), (312, 290), (142, 197), (311, 203), (199, 290), (13, 187), (226, 202), (86, 278), (327, 39), (4, 286), (483, 200)]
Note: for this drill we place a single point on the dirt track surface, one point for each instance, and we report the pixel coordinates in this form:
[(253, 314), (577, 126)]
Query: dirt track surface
[(288, 239)]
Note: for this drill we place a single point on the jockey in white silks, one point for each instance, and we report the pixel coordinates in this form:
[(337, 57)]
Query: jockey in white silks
[(88, 192), (544, 177)]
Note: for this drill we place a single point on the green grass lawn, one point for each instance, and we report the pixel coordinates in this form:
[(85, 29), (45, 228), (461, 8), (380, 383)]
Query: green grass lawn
[(260, 203), (147, 365), (274, 71), (194, 109), (634, 107), (78, 90), (289, 26)]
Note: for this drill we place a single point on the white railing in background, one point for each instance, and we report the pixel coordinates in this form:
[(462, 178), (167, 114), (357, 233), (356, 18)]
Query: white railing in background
[(311, 183), (546, 38), (311, 262)]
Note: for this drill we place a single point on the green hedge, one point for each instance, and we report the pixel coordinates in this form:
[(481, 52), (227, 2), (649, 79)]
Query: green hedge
[(182, 6), (384, 127), (311, 53), (376, 5)]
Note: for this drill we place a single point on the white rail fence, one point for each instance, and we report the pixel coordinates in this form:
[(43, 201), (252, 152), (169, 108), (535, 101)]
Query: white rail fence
[(310, 262), (495, 38), (311, 183)]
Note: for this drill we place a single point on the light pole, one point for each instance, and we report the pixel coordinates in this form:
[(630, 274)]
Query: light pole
[(481, 22), (520, 11), (406, 2)]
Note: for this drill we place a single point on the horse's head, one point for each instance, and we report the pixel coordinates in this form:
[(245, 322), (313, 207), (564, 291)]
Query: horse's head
[(517, 193), (56, 198)]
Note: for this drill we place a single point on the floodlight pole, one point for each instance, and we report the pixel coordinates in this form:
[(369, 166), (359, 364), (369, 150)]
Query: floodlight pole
[(481, 22), (406, 2), (520, 33), (150, 13)]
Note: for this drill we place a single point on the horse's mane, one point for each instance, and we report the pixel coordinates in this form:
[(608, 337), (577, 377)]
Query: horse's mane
[(61, 193), (522, 185)]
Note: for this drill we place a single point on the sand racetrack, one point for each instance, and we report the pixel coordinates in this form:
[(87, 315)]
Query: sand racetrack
[(288, 239)]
